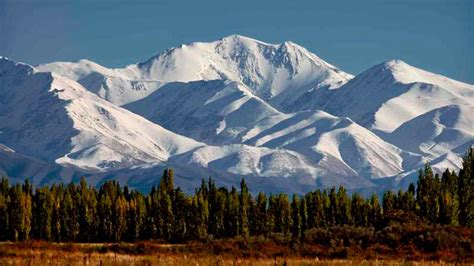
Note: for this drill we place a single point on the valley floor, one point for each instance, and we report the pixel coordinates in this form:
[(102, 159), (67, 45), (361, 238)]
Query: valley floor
[(150, 253)]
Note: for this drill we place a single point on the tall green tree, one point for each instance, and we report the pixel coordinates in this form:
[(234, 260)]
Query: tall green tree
[(200, 216), (304, 215), (344, 207), (244, 207), (295, 217), (4, 203), (261, 215), (87, 211), (232, 213), (359, 210), (466, 190), (388, 201), (19, 214), (375, 211), (43, 210)]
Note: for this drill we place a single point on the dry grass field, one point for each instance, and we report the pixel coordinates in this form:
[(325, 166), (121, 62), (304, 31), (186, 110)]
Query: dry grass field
[(42, 253)]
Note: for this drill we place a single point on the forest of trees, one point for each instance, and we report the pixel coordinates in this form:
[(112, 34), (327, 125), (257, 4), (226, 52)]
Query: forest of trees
[(82, 213)]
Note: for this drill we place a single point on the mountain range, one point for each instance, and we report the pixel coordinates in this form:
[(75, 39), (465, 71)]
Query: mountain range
[(275, 114)]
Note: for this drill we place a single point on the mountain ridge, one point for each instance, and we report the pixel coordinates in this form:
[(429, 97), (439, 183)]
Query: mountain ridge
[(274, 113)]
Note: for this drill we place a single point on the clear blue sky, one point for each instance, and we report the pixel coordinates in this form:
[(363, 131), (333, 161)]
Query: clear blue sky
[(353, 35)]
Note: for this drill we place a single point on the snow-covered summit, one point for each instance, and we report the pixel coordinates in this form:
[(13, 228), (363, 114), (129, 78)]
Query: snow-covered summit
[(53, 118), (274, 113), (268, 69), (402, 72), (391, 93), (278, 73)]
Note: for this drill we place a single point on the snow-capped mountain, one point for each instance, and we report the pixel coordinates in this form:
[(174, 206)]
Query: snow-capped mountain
[(440, 134), (413, 109), (57, 127), (55, 119), (216, 112), (330, 141), (225, 112), (237, 107), (277, 73), (114, 85), (392, 93)]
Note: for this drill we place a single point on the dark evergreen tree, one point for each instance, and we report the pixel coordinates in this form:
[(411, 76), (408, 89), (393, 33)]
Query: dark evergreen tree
[(43, 210), (359, 210), (231, 220), (295, 217), (261, 215), (388, 201), (375, 211), (4, 203), (19, 214), (87, 211), (244, 206), (179, 211), (83, 213), (466, 190), (199, 216), (344, 207), (303, 215), (332, 209)]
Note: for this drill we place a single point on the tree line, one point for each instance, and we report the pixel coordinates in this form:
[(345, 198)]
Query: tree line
[(111, 213)]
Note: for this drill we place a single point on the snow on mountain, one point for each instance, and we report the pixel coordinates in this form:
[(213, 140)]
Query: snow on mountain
[(114, 85), (416, 110), (338, 145), (273, 72), (55, 119), (278, 73), (385, 96), (232, 108), (59, 128), (441, 133), (265, 169), (218, 112), (215, 112)]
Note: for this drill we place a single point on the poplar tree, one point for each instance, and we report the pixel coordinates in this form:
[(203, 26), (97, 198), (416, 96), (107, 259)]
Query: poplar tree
[(4, 203), (232, 214), (179, 211), (43, 206), (304, 215), (200, 216), (359, 210), (344, 207), (244, 206), (261, 215), (332, 210), (295, 217), (466, 190), (19, 214), (375, 211), (388, 202)]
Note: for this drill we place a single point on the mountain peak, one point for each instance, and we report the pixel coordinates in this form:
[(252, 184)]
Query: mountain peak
[(251, 108), (241, 38), (405, 73), (269, 70), (395, 63), (236, 38)]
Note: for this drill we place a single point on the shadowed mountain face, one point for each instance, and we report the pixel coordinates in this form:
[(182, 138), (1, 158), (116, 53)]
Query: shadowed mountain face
[(237, 107)]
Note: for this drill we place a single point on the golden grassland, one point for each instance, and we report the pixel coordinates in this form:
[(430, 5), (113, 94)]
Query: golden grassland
[(149, 253)]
